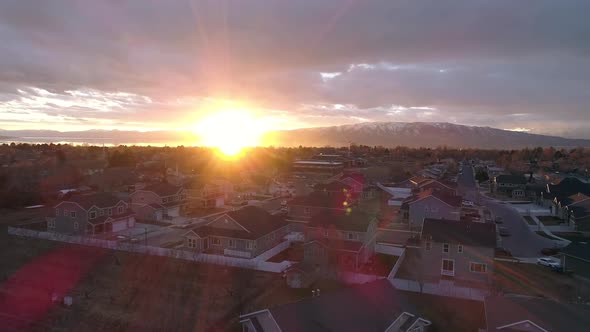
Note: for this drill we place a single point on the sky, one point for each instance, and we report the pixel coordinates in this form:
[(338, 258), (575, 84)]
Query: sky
[(147, 64)]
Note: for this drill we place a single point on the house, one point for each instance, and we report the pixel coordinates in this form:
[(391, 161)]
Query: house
[(91, 214), (533, 314), (392, 195), (564, 193), (335, 188), (575, 210), (207, 194), (341, 239), (462, 251), (435, 185), (511, 185), (576, 257), (302, 208), (374, 306), (158, 201), (317, 166), (430, 204), (356, 181), (245, 233)]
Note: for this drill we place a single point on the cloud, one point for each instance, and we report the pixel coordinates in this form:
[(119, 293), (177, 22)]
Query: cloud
[(474, 62)]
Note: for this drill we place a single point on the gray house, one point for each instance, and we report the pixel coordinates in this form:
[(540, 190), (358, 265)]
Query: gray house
[(462, 251), (158, 202), (91, 214), (374, 306), (511, 185), (245, 233), (430, 204), (301, 209)]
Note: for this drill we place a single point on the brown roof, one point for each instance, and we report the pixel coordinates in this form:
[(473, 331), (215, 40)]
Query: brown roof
[(460, 232)]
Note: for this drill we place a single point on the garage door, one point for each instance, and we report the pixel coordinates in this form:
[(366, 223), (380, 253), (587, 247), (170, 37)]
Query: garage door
[(119, 226)]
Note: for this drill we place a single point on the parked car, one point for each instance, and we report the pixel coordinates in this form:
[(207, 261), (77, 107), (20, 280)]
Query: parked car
[(504, 231), (467, 203), (498, 220), (549, 262), (550, 251)]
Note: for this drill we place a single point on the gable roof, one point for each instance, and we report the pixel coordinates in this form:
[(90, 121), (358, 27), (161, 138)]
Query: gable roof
[(163, 189), (514, 310), (355, 220), (255, 222), (357, 177), (101, 200), (513, 179), (320, 199), (443, 196), (465, 233), (372, 306), (569, 186)]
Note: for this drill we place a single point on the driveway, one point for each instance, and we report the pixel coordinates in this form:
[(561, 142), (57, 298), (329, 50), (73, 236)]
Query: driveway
[(522, 242)]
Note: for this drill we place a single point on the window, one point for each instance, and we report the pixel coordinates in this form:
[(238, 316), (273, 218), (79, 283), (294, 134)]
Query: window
[(460, 248), (215, 241), (307, 211), (73, 214), (448, 267), (326, 233), (446, 247), (56, 212), (76, 226), (110, 211), (92, 215), (250, 245), (51, 224), (120, 209), (232, 243), (101, 212), (428, 246), (350, 236), (478, 267), (192, 243)]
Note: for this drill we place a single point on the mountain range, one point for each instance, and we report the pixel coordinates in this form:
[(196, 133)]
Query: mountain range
[(389, 134)]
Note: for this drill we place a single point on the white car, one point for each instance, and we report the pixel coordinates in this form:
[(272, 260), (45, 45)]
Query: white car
[(545, 261)]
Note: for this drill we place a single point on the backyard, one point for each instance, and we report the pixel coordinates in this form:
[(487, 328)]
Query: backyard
[(550, 220)]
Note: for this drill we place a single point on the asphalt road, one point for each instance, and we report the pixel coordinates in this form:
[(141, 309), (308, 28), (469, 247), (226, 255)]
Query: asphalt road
[(522, 242)]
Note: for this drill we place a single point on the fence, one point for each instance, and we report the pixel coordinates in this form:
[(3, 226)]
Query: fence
[(441, 289), (253, 264), (397, 265), (388, 250)]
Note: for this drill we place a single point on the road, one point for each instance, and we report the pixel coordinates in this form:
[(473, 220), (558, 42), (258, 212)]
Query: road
[(522, 242)]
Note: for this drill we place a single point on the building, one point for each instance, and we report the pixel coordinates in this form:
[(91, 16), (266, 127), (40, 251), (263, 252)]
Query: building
[(91, 214), (532, 314), (511, 185), (436, 186), (576, 258), (207, 195), (245, 233), (356, 181), (430, 204), (302, 208), (158, 202), (461, 251), (317, 166), (375, 306)]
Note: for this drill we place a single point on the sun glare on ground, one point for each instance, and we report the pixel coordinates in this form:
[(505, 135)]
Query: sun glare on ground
[(230, 131)]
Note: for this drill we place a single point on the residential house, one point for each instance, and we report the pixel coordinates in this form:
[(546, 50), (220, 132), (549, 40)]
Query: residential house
[(435, 185), (559, 195), (336, 188), (430, 204), (356, 181), (204, 194), (532, 314), (340, 239), (461, 251), (511, 185), (91, 214), (158, 201), (392, 195), (576, 257), (245, 233), (302, 208), (374, 306), (317, 166)]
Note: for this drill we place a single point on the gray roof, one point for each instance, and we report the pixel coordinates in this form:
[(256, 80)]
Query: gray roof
[(460, 232), (369, 307), (101, 200), (549, 315), (163, 189)]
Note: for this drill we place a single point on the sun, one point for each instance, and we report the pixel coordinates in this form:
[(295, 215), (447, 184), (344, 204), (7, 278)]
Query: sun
[(230, 131)]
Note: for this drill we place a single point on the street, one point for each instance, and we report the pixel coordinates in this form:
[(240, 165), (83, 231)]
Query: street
[(522, 242)]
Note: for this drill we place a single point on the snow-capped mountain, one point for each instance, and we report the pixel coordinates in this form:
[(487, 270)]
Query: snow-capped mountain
[(418, 134)]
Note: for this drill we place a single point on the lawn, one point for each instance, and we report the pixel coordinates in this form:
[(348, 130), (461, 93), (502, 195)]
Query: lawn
[(529, 220), (573, 236), (543, 234), (536, 280), (550, 220)]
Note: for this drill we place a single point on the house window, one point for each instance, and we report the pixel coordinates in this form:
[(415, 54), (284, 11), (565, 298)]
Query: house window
[(307, 211), (120, 209), (110, 212), (428, 246), (250, 245), (56, 212), (101, 212), (232, 243), (460, 248), (446, 247), (92, 214), (215, 241), (192, 243), (448, 267), (478, 267), (350, 236), (51, 224), (76, 226), (326, 233), (73, 214)]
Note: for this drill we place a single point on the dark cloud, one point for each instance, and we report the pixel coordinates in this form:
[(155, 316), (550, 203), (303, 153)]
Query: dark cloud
[(474, 62)]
